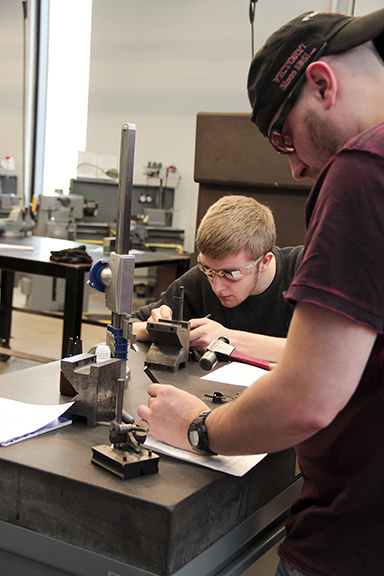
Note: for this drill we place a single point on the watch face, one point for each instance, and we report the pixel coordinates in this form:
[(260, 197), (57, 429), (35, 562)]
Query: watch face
[(194, 438)]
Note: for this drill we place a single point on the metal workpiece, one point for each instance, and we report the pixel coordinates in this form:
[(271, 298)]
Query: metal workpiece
[(179, 300), (170, 348), (120, 402), (94, 384), (170, 344)]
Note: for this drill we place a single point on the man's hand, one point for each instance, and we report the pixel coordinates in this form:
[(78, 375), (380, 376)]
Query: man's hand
[(140, 328), (203, 332), (169, 414), (163, 311)]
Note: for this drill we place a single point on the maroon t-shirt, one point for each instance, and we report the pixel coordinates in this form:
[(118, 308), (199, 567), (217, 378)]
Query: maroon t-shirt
[(336, 527)]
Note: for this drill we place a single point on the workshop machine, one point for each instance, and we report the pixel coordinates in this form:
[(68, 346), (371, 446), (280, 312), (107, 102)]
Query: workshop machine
[(151, 213), (57, 215), (8, 194), (18, 221)]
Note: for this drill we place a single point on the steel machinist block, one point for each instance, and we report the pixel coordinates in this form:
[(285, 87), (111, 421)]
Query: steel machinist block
[(95, 386), (170, 347)]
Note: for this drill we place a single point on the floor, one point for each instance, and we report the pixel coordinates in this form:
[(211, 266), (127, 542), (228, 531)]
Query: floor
[(42, 335)]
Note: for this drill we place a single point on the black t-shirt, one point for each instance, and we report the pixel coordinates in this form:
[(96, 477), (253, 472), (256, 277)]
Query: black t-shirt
[(265, 313)]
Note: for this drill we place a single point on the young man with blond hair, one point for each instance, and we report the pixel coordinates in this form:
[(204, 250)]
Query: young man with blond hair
[(239, 281)]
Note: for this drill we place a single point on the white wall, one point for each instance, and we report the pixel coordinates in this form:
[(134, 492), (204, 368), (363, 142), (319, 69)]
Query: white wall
[(11, 81), (156, 63)]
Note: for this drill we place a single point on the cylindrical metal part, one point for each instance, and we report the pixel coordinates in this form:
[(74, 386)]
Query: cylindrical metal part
[(105, 276), (208, 361), (119, 400), (181, 303)]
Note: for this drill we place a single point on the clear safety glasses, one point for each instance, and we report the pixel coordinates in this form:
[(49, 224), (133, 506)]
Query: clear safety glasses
[(233, 275)]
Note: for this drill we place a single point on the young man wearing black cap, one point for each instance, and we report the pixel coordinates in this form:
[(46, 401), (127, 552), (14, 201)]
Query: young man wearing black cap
[(316, 90)]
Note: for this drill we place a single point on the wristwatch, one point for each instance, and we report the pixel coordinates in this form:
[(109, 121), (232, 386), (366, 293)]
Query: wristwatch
[(198, 435)]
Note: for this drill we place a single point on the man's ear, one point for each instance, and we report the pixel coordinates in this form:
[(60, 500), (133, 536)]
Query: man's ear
[(323, 82), (265, 262)]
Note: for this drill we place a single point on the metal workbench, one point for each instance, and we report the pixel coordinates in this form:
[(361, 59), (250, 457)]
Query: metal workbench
[(60, 514), (37, 261)]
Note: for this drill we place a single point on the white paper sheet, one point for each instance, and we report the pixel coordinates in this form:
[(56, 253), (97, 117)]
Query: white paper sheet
[(20, 419), (236, 373), (235, 465)]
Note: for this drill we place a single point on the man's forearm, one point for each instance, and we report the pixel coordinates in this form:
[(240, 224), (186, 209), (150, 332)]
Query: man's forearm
[(205, 330), (260, 420), (321, 367), (258, 345)]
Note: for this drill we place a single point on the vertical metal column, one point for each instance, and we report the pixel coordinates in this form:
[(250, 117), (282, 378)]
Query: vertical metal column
[(127, 149)]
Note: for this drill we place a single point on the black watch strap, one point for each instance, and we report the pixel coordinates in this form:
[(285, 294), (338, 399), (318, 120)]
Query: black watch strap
[(198, 435)]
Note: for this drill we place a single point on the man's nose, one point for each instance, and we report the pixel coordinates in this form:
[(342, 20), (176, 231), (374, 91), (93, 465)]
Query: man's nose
[(298, 168), (217, 283)]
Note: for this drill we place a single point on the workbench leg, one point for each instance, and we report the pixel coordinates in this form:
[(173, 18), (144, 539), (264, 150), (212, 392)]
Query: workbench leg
[(7, 283), (73, 306)]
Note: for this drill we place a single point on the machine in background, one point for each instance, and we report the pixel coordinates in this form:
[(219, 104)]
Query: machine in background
[(152, 213), (88, 214), (58, 216), (8, 194)]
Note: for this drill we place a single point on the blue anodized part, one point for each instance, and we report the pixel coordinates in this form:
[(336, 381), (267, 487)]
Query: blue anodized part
[(119, 343), (96, 275)]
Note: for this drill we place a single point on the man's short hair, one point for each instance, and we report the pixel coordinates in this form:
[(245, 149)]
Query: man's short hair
[(279, 66), (234, 223)]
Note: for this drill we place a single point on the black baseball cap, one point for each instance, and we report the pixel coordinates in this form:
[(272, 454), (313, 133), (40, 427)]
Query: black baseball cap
[(281, 63)]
